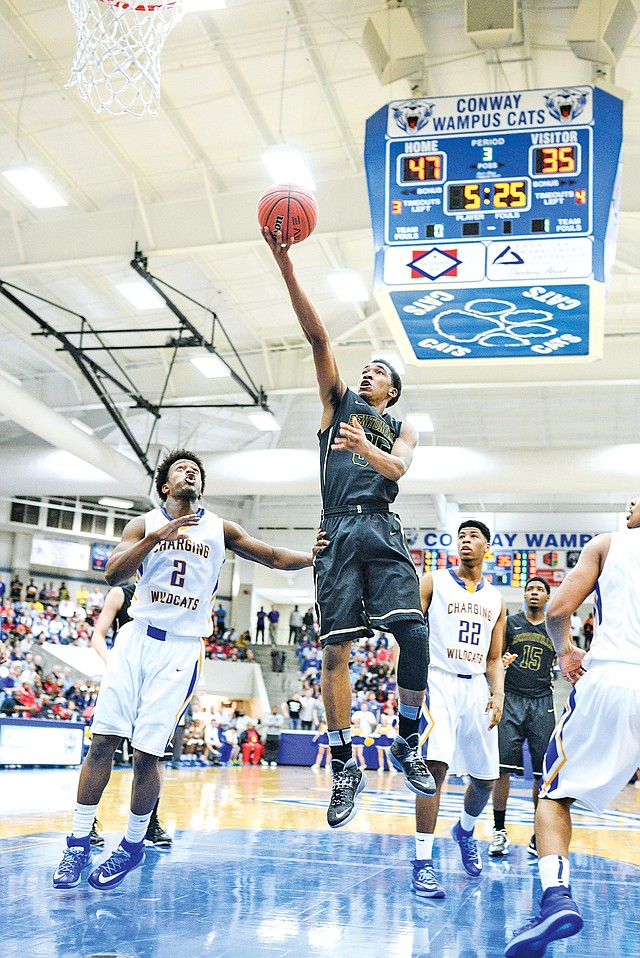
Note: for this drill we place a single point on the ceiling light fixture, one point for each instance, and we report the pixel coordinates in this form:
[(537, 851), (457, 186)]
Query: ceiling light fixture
[(82, 425), (140, 295), (421, 420), (348, 286), (34, 187), (287, 165), (264, 420), (211, 366), (116, 503), (201, 6), (12, 379)]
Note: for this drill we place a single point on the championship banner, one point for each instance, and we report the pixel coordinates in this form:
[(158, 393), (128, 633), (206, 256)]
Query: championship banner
[(59, 553)]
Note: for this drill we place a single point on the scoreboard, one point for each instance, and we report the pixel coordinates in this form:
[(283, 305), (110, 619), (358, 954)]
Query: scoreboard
[(494, 220), (510, 567)]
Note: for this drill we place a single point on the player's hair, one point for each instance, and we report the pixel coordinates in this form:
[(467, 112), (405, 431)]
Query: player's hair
[(162, 472), (476, 524), (538, 578), (396, 382)]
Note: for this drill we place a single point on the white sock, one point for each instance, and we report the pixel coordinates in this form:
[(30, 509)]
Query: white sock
[(424, 847), (467, 822), (137, 828), (83, 818), (554, 871)]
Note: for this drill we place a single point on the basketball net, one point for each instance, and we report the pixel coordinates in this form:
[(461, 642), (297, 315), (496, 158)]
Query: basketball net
[(117, 61)]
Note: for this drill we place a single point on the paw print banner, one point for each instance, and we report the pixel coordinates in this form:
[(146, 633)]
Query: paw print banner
[(533, 322)]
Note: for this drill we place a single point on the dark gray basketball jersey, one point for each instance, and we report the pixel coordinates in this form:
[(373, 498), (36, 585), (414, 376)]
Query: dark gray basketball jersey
[(122, 615), (348, 479), (530, 674)]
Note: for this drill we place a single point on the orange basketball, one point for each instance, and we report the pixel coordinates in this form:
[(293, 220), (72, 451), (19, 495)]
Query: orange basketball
[(288, 208)]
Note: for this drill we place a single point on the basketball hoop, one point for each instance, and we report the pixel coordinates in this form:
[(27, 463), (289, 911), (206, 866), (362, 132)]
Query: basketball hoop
[(117, 61)]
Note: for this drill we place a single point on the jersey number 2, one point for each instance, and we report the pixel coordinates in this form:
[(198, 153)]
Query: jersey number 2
[(179, 573)]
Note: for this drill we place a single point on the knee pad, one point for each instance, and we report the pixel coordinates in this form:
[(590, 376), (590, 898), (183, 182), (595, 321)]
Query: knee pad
[(414, 654)]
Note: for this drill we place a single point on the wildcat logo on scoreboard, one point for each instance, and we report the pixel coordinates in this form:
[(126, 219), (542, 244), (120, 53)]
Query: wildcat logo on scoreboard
[(411, 116), (566, 105)]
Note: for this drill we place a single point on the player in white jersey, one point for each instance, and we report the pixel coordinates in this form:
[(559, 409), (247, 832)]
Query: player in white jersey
[(595, 748), (176, 552), (466, 618)]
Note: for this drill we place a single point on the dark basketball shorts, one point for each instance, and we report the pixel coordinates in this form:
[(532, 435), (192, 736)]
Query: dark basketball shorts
[(365, 578), (525, 718)]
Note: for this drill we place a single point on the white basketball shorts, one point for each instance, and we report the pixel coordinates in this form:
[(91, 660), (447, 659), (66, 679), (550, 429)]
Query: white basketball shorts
[(454, 727), (595, 747), (146, 686)]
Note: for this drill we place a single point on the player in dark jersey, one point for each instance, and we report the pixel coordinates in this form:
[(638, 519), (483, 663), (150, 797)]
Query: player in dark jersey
[(113, 615), (528, 707), (365, 577)]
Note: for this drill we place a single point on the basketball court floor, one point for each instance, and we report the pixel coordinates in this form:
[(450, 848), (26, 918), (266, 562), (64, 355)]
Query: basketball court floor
[(254, 871)]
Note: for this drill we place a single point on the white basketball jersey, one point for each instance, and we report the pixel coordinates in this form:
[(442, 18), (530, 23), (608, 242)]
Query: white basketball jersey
[(616, 635), (176, 585), (460, 623)]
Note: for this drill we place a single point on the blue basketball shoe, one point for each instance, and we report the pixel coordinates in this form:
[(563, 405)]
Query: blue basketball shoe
[(468, 850), (424, 881), (117, 866), (77, 856), (558, 918)]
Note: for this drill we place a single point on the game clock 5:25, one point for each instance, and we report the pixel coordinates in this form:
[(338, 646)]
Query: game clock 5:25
[(481, 195)]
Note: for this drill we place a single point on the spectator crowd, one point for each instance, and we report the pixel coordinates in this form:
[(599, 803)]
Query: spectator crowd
[(32, 616)]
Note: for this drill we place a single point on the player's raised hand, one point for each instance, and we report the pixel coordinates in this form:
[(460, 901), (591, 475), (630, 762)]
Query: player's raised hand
[(277, 244), (353, 438), (177, 528)]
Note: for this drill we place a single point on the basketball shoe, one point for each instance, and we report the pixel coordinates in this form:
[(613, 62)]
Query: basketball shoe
[(406, 756), (468, 850), (500, 844), (76, 857), (156, 835), (532, 848), (96, 840), (117, 866), (558, 918), (424, 881), (347, 784)]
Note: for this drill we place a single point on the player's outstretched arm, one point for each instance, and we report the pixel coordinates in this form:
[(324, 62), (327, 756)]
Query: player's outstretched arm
[(574, 589), (239, 541), (135, 546), (572, 592), (330, 383), (111, 607)]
